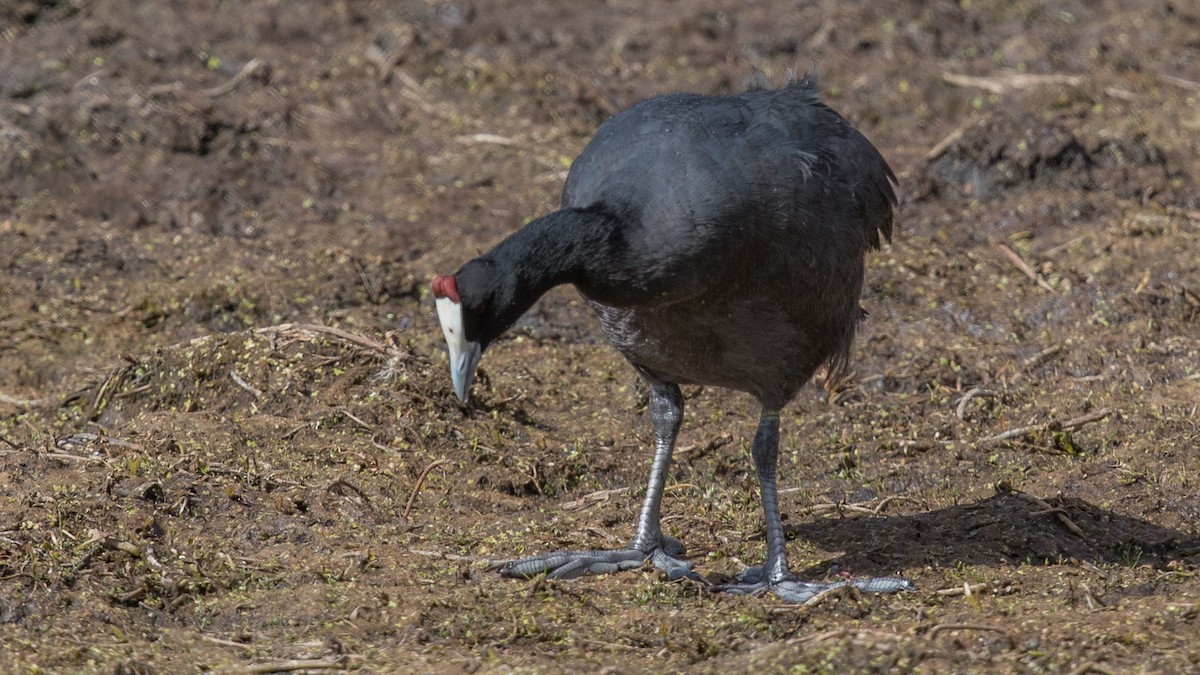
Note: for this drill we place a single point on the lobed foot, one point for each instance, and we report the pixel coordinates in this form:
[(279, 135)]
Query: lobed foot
[(753, 581), (574, 564)]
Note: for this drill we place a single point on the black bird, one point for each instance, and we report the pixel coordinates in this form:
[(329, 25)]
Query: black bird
[(720, 239)]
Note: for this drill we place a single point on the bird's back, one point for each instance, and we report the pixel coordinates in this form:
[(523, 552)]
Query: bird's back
[(745, 219)]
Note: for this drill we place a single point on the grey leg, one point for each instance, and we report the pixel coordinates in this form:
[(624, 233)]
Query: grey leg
[(649, 543), (666, 414), (765, 452), (774, 574)]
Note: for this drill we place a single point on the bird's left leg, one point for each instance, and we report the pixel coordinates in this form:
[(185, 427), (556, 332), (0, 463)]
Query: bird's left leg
[(649, 542), (774, 574)]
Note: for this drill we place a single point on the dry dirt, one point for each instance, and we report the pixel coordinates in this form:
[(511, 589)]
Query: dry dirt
[(227, 436)]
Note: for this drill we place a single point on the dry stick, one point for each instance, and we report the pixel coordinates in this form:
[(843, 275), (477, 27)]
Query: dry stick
[(285, 329), (608, 645), (1058, 513), (1091, 667), (228, 643), (965, 589), (1180, 82), (252, 67), (95, 438), (25, 403), (237, 379), (421, 481), (356, 420), (961, 411), (133, 392), (884, 502), (1024, 267), (448, 556), (64, 456), (825, 594), (380, 446), (486, 139), (337, 663), (1042, 356), (1053, 425), (943, 145), (704, 448), (998, 84), (295, 430), (368, 286), (593, 498), (809, 510), (355, 338)]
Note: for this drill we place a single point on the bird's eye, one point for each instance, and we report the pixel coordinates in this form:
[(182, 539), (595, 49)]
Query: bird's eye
[(478, 309)]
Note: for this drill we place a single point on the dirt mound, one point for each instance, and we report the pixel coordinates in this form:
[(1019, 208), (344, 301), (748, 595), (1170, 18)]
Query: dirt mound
[(1007, 150)]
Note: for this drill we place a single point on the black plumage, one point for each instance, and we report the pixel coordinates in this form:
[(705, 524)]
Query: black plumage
[(721, 240)]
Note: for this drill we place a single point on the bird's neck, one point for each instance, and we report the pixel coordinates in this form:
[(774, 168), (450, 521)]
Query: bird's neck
[(559, 248)]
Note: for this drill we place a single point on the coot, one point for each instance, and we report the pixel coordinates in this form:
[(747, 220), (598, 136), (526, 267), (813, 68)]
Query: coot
[(720, 239)]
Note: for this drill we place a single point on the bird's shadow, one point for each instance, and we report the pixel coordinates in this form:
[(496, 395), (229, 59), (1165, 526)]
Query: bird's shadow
[(1005, 529)]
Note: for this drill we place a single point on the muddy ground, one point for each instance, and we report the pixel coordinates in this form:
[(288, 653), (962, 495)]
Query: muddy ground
[(227, 436)]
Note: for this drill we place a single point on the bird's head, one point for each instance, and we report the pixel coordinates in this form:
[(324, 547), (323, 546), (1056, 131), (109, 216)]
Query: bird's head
[(475, 306)]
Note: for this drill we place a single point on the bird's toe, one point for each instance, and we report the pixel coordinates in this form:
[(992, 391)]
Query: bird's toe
[(753, 580), (675, 568), (572, 564)]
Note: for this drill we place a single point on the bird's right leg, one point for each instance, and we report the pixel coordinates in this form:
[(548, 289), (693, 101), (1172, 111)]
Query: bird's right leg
[(649, 542)]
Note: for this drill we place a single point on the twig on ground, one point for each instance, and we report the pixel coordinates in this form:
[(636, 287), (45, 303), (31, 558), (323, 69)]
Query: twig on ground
[(64, 456), (812, 510), (71, 440), (609, 645), (297, 331), (380, 446), (593, 498), (1092, 601), (951, 138), (295, 430), (1041, 357), (252, 67), (883, 503), (698, 450), (340, 486), (486, 139), (1053, 425), (421, 481), (1024, 267), (828, 593), (354, 338), (814, 600), (228, 643), (356, 420), (961, 410), (336, 663), (965, 589), (818, 509), (1091, 667), (1059, 513), (237, 379), (999, 84), (1075, 422), (26, 403), (1180, 82), (447, 556)]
